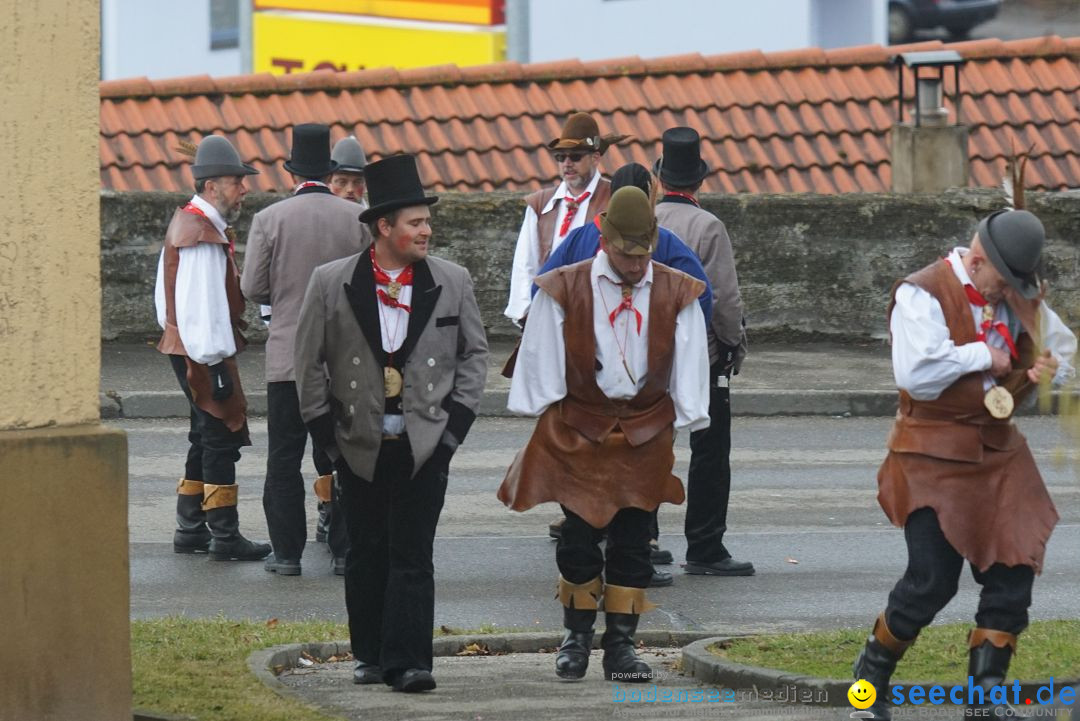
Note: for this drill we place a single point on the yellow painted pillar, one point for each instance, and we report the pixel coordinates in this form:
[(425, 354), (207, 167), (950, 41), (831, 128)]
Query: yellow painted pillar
[(64, 626)]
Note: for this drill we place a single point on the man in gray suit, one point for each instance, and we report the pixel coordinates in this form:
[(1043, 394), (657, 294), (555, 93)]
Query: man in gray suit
[(287, 241), (708, 482), (400, 336)]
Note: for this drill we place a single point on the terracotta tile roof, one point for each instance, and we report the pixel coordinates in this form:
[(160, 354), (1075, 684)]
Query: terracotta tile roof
[(796, 121)]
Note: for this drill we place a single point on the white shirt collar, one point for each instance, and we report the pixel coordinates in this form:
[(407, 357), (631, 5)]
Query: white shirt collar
[(562, 191), (602, 267), (956, 262), (210, 212)]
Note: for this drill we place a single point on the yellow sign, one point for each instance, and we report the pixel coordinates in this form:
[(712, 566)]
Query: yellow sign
[(476, 12), (285, 43)]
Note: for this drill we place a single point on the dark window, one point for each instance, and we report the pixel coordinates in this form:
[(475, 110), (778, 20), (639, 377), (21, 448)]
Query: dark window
[(224, 24)]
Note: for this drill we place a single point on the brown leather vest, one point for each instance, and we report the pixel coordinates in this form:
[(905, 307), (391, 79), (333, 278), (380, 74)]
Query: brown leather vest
[(949, 454), (585, 407), (545, 227), (186, 230)]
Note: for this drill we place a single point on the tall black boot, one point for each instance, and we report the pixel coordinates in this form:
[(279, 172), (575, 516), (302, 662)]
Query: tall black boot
[(876, 664), (580, 601), (227, 544), (191, 535), (623, 606), (988, 661), (573, 658)]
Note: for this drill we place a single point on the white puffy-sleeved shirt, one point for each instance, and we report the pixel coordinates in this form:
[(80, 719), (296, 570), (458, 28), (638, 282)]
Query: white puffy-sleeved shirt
[(527, 253), (540, 374), (202, 307), (925, 359)]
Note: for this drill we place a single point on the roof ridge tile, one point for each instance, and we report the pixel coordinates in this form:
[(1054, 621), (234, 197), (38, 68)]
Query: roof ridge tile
[(126, 88)]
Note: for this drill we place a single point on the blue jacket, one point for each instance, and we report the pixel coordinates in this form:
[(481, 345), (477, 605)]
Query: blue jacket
[(584, 243)]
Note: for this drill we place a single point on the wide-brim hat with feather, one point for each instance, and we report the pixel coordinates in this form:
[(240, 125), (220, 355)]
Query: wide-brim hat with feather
[(393, 183), (581, 133), (215, 157), (629, 222)]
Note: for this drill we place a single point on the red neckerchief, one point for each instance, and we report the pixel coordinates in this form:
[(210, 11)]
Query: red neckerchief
[(976, 298), (383, 278), (687, 196), (309, 184), (230, 233), (572, 204), (626, 304)]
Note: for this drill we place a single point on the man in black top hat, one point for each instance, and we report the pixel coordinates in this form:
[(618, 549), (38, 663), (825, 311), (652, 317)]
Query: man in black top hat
[(391, 361), (287, 241), (681, 171)]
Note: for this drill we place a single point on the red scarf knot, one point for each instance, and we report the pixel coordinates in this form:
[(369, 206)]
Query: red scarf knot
[(626, 304), (572, 205), (383, 278)]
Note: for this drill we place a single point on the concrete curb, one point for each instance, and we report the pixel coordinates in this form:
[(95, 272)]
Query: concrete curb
[(845, 403), (699, 662), (267, 663)]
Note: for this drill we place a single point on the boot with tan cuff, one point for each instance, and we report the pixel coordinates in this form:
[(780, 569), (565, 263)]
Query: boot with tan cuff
[(877, 662), (623, 607), (989, 654), (227, 544), (580, 602), (191, 535)]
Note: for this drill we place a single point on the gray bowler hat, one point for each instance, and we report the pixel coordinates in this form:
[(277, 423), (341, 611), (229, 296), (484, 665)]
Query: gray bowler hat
[(1013, 241), (349, 155), (216, 157)]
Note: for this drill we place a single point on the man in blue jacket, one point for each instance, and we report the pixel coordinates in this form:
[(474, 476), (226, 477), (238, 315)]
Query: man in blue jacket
[(583, 244)]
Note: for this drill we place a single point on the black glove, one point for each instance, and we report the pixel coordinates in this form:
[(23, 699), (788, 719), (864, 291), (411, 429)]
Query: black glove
[(220, 381), (728, 356), (440, 459)]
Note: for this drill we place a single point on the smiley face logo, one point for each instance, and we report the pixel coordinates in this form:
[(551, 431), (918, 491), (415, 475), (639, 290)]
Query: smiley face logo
[(862, 694)]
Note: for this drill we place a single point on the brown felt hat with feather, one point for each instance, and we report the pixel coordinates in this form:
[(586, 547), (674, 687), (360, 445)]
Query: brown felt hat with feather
[(583, 134)]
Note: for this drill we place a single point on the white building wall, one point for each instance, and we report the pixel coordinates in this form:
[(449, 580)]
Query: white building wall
[(599, 29), (161, 39)]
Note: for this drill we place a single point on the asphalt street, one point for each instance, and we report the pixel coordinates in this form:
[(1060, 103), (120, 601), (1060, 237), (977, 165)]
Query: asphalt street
[(803, 509)]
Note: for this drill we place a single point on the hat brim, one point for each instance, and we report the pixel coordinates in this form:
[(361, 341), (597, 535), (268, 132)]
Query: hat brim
[(203, 172), (680, 181), (571, 144), (378, 211), (349, 169), (1025, 285), (309, 172)]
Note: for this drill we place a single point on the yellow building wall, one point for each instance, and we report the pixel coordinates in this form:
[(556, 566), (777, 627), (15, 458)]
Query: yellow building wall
[(476, 12), (285, 43), (50, 318)]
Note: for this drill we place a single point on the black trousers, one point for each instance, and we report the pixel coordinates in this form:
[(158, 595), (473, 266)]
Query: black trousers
[(213, 449), (708, 482), (283, 491), (931, 580), (625, 560), (389, 574)]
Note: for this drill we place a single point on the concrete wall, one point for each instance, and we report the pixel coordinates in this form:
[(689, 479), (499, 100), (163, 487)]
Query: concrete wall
[(63, 478), (809, 266)]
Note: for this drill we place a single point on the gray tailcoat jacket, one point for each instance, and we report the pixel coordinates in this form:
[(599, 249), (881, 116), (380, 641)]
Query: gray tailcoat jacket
[(287, 241), (708, 238), (443, 360)]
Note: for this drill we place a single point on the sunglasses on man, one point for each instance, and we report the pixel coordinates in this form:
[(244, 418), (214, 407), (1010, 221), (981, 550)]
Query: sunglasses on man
[(572, 157)]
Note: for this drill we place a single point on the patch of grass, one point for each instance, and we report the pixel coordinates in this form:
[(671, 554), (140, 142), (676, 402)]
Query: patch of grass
[(198, 667), (1045, 649)]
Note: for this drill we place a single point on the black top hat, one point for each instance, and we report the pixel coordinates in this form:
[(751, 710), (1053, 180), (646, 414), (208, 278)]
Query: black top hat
[(310, 156), (681, 165), (393, 183), (1013, 241)]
